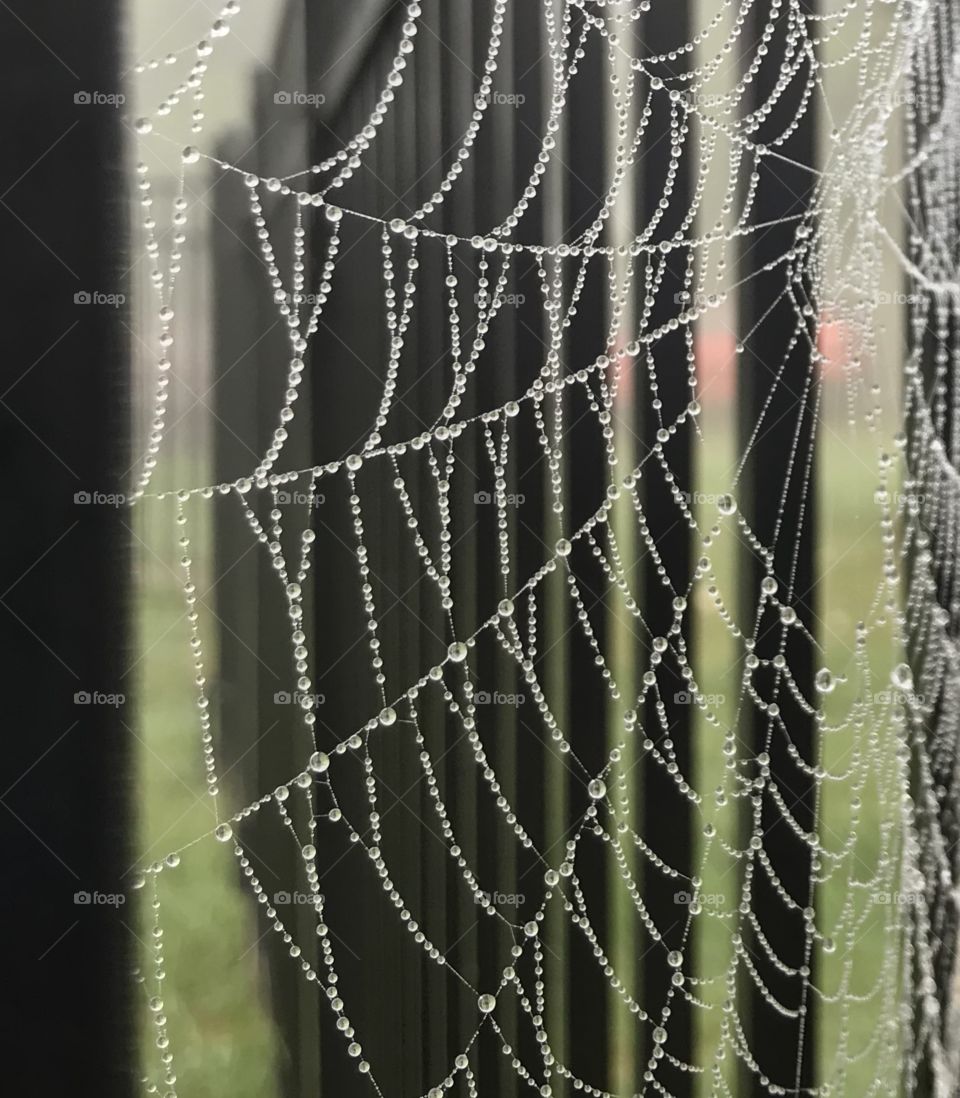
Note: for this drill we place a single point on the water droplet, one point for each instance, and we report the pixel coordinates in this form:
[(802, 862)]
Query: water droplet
[(487, 1003), (309, 852), (824, 680), (388, 716), (531, 928), (563, 548), (902, 677), (143, 125), (190, 155), (334, 213), (223, 832), (660, 1035), (597, 789), (505, 608), (726, 504), (674, 958), (319, 762), (457, 652)]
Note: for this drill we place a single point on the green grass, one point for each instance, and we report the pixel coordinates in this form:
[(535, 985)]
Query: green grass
[(221, 1036), (849, 567)]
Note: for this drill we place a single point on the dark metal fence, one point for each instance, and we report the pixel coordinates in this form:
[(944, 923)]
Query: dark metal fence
[(410, 1012), (65, 797)]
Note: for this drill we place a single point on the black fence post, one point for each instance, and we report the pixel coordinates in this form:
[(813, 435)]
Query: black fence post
[(779, 382), (583, 163), (660, 372), (65, 788)]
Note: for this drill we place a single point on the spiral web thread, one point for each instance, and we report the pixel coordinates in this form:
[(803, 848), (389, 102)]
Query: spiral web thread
[(899, 717)]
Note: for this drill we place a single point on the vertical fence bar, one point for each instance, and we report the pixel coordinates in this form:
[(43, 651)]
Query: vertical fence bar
[(584, 165), (528, 83), (661, 373), (495, 385), (348, 361), (64, 789), (422, 154), (778, 385)]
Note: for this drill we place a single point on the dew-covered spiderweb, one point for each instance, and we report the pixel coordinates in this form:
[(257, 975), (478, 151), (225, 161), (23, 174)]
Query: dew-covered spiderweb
[(468, 526)]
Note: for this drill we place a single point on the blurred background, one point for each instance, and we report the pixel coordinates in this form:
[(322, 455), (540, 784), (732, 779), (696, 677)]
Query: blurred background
[(290, 83)]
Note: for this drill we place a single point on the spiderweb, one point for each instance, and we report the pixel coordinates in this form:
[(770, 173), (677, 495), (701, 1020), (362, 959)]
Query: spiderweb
[(431, 499)]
